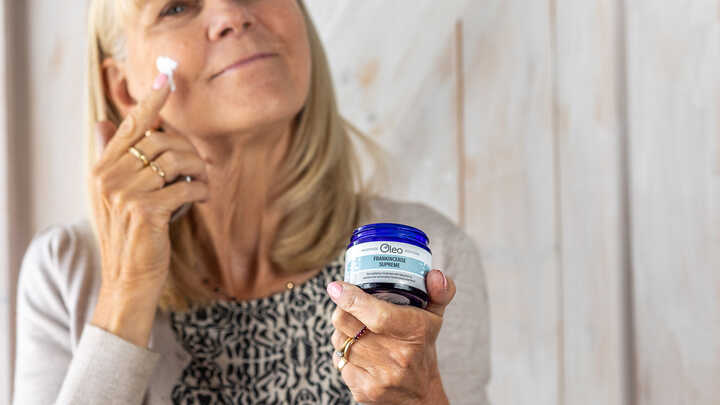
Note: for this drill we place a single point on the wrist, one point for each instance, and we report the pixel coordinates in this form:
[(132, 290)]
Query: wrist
[(127, 315)]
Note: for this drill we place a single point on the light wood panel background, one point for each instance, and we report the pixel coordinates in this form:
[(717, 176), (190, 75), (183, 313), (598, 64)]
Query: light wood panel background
[(5, 263), (577, 141), (674, 105)]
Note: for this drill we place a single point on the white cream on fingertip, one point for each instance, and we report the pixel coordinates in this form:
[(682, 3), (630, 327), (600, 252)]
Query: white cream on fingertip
[(167, 66)]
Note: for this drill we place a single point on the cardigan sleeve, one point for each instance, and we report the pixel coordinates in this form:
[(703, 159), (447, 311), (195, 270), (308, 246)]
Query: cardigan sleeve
[(102, 369), (464, 342)]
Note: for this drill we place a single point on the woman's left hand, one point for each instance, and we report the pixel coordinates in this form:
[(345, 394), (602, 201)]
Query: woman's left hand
[(395, 361)]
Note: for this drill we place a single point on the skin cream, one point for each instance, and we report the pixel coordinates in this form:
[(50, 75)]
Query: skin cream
[(390, 261), (167, 66)]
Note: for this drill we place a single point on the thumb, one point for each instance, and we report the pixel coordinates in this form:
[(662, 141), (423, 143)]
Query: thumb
[(104, 131), (441, 290)]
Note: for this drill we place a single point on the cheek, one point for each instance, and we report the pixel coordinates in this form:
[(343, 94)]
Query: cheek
[(143, 55), (303, 61), (139, 74), (287, 23)]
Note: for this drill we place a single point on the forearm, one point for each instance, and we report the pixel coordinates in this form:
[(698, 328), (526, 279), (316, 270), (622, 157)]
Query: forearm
[(107, 369)]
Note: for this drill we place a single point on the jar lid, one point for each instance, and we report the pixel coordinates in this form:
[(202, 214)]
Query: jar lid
[(390, 231)]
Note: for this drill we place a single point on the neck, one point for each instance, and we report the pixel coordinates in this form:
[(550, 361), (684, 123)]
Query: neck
[(236, 226)]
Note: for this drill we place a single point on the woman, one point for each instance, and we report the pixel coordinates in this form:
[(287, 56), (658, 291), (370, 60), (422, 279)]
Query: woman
[(240, 300)]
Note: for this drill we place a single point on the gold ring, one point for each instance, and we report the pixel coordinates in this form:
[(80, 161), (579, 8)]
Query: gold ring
[(341, 364), (340, 352), (157, 169), (346, 349), (135, 152)]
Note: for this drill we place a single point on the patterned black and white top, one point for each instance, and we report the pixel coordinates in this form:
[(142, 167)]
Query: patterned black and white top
[(271, 350)]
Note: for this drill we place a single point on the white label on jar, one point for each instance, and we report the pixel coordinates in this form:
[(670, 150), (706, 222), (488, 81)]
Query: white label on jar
[(387, 262)]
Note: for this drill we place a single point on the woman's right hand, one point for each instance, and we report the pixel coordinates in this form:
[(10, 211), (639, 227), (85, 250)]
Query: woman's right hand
[(132, 207)]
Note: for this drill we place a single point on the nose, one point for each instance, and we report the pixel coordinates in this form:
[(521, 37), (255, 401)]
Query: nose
[(228, 18)]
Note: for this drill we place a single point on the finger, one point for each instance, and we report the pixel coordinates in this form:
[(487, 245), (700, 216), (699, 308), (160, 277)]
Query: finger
[(173, 164), (378, 315), (353, 374), (357, 379), (104, 130), (338, 339), (170, 198), (176, 163), (139, 119), (369, 352), (159, 142), (441, 291), (152, 147), (346, 322)]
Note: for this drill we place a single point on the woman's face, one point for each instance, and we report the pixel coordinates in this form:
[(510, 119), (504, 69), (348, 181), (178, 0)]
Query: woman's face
[(207, 38)]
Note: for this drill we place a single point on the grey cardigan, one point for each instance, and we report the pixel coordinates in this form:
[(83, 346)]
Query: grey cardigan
[(63, 359)]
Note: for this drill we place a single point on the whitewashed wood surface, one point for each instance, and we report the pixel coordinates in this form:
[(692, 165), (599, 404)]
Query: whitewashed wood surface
[(674, 105), (588, 172), (5, 263), (511, 192), (589, 136)]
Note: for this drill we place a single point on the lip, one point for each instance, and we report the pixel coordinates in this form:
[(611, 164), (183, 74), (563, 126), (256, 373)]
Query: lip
[(244, 61)]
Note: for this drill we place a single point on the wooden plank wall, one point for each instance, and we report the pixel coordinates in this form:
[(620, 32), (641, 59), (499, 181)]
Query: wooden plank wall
[(551, 131), (511, 192), (576, 141), (397, 85), (674, 105), (5, 283), (588, 121)]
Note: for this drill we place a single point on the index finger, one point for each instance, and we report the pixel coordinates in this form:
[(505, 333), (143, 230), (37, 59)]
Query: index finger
[(381, 317), (140, 118)]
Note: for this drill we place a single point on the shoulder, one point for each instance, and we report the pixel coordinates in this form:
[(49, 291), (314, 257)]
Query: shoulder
[(447, 239), (59, 241), (63, 250), (60, 270), (383, 208)]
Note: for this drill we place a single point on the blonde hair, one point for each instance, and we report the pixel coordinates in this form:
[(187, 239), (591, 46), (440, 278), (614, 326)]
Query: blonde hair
[(319, 189)]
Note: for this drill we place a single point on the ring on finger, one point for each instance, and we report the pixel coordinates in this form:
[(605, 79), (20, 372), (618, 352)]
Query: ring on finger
[(136, 152), (157, 169), (340, 352), (361, 333), (350, 341), (346, 349)]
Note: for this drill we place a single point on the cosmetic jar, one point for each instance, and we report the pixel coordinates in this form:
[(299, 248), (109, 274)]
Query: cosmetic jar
[(390, 261)]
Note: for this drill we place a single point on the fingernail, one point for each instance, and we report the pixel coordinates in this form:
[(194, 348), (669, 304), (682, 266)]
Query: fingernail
[(334, 289), (445, 283), (160, 81)]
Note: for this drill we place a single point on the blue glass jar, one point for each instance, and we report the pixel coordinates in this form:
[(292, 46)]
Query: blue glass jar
[(390, 261)]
